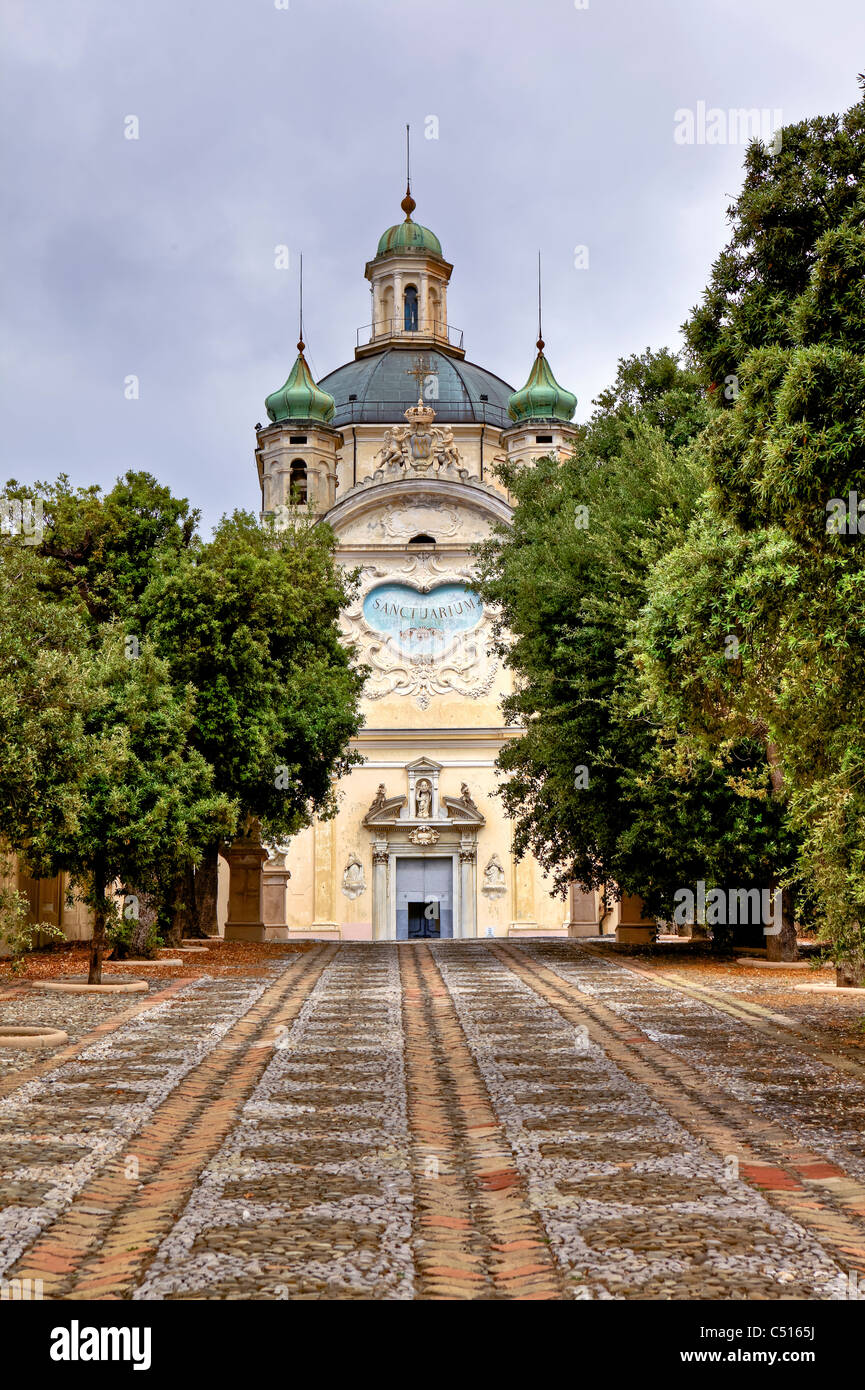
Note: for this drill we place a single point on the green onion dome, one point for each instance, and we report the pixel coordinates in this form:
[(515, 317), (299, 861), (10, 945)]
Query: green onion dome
[(408, 235), (542, 398), (300, 398)]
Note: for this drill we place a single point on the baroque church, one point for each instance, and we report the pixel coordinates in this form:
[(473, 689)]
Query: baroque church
[(396, 451)]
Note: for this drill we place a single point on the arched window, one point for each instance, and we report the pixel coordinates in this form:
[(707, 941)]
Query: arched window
[(422, 539), (297, 481), (410, 300)]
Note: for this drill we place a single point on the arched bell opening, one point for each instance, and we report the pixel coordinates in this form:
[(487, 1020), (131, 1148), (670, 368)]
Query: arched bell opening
[(297, 481)]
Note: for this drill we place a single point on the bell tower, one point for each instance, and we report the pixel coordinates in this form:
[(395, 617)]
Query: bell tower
[(297, 452)]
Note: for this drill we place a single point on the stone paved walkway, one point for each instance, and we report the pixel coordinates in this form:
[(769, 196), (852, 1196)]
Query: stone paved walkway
[(457, 1120)]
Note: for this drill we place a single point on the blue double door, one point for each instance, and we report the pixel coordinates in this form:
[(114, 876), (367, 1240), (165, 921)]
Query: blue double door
[(424, 898)]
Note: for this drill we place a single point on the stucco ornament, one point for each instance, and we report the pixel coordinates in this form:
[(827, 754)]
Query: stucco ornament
[(400, 523), (450, 661), (424, 835), (276, 853), (353, 881)]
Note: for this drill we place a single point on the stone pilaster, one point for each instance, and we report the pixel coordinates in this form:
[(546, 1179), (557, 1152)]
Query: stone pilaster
[(468, 891), (379, 890), (324, 882)]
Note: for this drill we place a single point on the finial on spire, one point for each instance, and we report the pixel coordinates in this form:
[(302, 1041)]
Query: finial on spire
[(408, 203), (540, 343)]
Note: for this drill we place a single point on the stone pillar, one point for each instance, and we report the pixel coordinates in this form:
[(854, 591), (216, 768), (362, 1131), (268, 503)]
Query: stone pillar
[(423, 308), (468, 892), (245, 921), (634, 927), (275, 902), (398, 307), (582, 912), (379, 890), (376, 310)]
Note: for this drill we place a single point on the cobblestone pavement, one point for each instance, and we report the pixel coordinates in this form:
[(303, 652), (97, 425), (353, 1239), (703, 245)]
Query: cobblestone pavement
[(456, 1120)]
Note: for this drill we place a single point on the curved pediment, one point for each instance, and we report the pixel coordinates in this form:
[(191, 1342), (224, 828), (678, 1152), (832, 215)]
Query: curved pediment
[(447, 509)]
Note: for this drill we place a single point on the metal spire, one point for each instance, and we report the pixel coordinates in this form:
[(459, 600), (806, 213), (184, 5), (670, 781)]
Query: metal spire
[(540, 332), (408, 203), (300, 309)]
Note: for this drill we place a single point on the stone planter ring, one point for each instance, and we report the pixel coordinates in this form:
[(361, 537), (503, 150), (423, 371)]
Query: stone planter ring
[(17, 1035)]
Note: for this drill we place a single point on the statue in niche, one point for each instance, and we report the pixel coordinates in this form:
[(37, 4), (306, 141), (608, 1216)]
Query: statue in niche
[(353, 882), (494, 878), (423, 799)]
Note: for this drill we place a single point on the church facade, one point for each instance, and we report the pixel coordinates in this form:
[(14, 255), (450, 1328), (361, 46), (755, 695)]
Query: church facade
[(396, 451)]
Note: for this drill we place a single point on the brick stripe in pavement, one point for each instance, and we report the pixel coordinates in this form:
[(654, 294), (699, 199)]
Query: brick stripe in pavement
[(477, 1236), (100, 1247), (820, 1196)]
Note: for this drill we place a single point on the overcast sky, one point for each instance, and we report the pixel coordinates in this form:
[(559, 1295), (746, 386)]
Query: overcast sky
[(281, 122)]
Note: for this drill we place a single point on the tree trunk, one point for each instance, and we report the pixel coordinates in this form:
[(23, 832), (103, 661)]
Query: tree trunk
[(100, 917), (204, 919), (182, 904), (851, 974), (142, 927), (784, 946)]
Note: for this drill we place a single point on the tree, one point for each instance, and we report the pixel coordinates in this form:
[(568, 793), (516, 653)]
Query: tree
[(97, 776), (250, 621), (148, 800), (708, 644), (590, 784), (781, 329), (100, 551)]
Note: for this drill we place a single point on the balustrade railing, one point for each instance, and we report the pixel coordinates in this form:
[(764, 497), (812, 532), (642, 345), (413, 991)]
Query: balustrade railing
[(396, 327)]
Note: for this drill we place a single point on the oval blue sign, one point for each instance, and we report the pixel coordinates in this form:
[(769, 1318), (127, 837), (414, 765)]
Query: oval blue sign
[(422, 624)]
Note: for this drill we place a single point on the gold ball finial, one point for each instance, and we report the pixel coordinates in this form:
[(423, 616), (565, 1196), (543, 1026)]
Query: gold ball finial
[(408, 204)]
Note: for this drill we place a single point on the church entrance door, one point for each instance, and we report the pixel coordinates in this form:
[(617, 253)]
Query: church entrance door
[(424, 897)]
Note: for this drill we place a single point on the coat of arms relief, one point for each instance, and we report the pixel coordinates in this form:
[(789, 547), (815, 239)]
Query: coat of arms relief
[(420, 446)]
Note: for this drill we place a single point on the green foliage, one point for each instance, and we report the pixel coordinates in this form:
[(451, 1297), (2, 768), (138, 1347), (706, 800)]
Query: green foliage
[(568, 598), (100, 552), (156, 692), (784, 319), (790, 201), (250, 621)]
